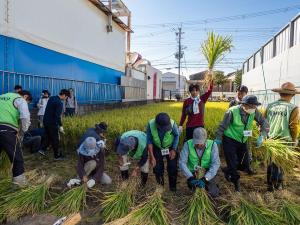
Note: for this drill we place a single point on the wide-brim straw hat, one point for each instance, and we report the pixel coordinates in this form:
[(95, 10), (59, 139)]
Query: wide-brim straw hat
[(287, 88)]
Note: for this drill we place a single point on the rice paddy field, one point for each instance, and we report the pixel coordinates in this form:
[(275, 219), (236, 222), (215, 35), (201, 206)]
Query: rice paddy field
[(254, 205)]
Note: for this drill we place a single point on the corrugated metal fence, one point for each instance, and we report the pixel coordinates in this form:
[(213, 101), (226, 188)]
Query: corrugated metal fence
[(268, 96), (86, 92)]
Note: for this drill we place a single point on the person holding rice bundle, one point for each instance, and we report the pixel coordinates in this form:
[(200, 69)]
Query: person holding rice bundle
[(162, 141), (133, 144), (199, 161), (235, 129), (91, 157), (283, 117), (193, 108)]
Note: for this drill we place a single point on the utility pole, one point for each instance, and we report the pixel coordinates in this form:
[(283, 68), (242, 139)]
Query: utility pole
[(179, 54)]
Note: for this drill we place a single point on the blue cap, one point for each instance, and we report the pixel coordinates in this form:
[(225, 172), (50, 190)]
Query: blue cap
[(250, 100)]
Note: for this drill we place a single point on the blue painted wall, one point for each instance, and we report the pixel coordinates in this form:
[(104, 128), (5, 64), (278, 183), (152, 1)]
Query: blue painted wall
[(28, 58), (19, 57)]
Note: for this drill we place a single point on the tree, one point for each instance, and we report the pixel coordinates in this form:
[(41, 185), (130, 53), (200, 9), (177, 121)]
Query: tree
[(214, 50), (238, 78), (220, 79)]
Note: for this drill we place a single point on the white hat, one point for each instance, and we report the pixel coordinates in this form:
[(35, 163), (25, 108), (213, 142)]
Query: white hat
[(199, 136), (90, 143)]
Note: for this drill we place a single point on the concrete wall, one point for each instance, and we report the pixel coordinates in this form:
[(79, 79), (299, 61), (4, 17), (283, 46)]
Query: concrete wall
[(72, 27)]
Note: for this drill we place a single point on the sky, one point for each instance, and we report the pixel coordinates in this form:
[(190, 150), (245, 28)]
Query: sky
[(250, 23)]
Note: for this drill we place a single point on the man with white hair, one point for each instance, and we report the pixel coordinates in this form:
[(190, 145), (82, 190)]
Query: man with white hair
[(199, 161)]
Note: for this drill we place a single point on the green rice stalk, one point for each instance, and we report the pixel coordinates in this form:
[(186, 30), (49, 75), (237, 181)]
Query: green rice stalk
[(290, 211), (280, 152), (117, 204), (243, 211), (29, 200), (152, 212), (5, 165), (5, 186), (200, 210), (69, 202)]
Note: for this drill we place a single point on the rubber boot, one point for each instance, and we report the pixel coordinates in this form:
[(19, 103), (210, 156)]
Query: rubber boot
[(159, 179), (237, 186), (125, 175), (144, 178)]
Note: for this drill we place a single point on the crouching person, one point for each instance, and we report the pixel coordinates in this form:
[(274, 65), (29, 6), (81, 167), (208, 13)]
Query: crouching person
[(133, 145), (91, 156), (199, 161)]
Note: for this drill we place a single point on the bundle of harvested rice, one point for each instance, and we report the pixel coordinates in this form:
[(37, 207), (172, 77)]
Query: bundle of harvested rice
[(246, 212), (152, 212), (29, 200), (117, 204), (69, 202), (290, 211), (282, 153), (200, 210)]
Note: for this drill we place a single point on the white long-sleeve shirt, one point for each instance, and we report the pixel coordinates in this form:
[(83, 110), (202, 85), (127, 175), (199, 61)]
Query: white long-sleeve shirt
[(22, 106), (42, 106), (215, 161)]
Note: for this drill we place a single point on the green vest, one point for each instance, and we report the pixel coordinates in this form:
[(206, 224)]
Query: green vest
[(237, 127), (142, 142), (193, 159), (9, 114), (168, 138), (278, 116)]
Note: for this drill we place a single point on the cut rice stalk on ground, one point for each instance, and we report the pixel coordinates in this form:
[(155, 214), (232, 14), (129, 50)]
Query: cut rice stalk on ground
[(152, 212), (29, 200), (70, 202), (246, 212), (200, 210), (117, 204), (280, 152), (290, 211)]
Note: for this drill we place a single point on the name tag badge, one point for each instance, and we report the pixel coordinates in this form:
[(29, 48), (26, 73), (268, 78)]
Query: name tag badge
[(165, 152), (247, 133)]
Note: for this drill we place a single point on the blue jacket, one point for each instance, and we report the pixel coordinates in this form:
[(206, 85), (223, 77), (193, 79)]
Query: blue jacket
[(53, 111)]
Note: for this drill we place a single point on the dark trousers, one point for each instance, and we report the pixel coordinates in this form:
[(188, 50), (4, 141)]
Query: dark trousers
[(211, 187), (10, 144), (236, 156), (158, 170), (189, 132), (52, 137), (274, 175), (33, 143), (70, 112)]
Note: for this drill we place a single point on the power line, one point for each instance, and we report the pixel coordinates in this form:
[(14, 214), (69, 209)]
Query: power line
[(225, 18)]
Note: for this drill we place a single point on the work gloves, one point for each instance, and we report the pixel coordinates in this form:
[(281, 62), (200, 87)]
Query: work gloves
[(61, 130), (260, 141), (200, 183), (217, 141)]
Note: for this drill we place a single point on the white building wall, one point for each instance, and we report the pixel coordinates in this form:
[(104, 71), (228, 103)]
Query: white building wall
[(72, 27), (173, 77), (151, 71)]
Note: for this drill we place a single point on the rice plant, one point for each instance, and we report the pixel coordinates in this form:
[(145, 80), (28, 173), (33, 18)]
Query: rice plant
[(246, 212), (29, 200), (290, 211), (69, 202), (117, 204), (200, 210), (5, 165), (280, 152), (152, 212)]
